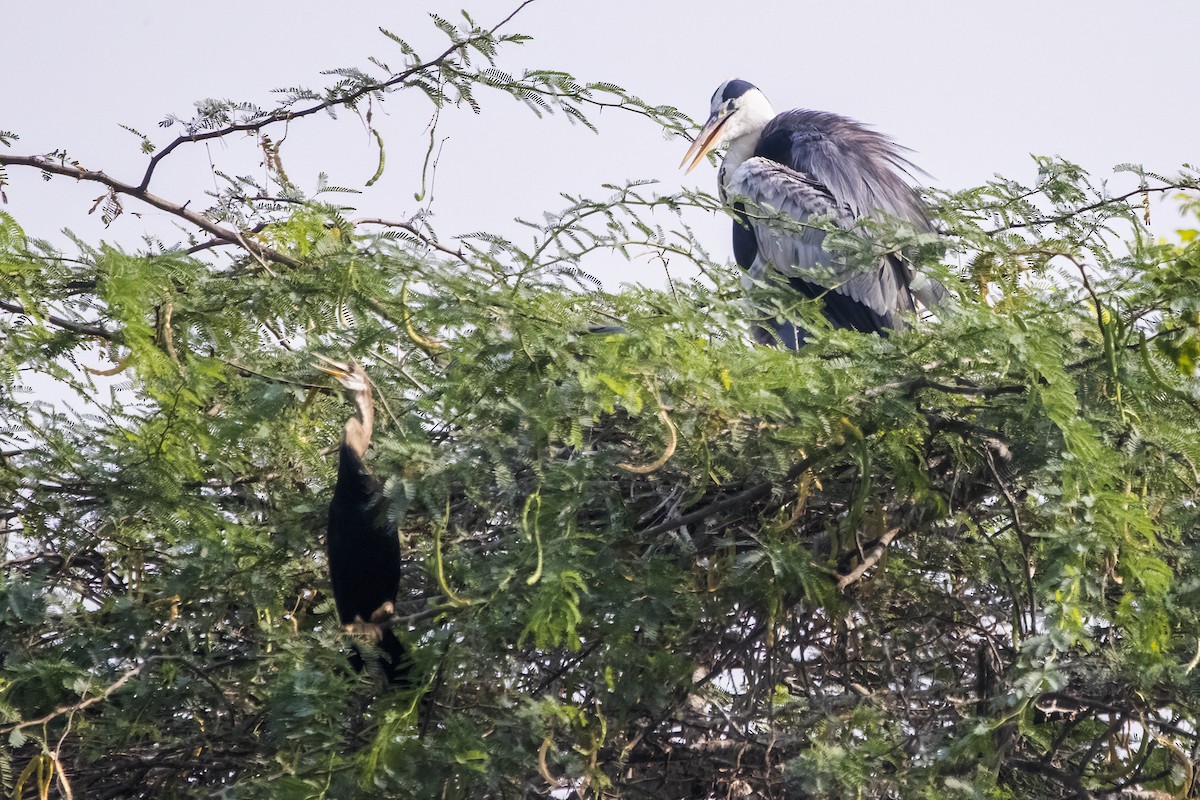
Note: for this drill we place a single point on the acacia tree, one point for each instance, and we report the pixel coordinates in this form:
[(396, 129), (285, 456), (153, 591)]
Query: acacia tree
[(652, 560)]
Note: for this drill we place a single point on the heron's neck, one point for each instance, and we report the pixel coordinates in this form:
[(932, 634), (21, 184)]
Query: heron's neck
[(360, 426), (745, 129), (739, 150)]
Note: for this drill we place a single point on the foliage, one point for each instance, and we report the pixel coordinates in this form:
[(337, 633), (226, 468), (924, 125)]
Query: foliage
[(651, 560)]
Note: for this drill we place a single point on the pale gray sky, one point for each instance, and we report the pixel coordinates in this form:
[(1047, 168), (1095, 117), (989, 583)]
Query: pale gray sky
[(972, 88)]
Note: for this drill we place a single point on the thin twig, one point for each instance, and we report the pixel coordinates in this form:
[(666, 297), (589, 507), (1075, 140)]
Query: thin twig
[(668, 451), (406, 226), (139, 193), (733, 500), (82, 704), (246, 371), (66, 324), (223, 242), (1035, 223), (286, 115), (1014, 509), (911, 386), (869, 561)]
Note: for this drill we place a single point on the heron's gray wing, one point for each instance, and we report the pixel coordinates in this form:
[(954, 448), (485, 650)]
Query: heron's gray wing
[(930, 292), (861, 168), (785, 210)]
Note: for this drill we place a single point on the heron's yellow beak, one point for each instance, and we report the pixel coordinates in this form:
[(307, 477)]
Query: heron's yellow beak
[(705, 141)]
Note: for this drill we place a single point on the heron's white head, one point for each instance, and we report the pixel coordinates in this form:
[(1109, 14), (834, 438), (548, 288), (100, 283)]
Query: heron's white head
[(737, 115)]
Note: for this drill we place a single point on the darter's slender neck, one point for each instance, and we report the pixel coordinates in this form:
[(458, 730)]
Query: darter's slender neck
[(360, 426)]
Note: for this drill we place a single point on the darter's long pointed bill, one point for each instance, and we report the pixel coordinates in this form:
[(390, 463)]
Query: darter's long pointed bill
[(334, 368)]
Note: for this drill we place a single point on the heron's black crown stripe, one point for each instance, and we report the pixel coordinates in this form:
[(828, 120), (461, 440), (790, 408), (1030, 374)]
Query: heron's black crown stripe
[(736, 88)]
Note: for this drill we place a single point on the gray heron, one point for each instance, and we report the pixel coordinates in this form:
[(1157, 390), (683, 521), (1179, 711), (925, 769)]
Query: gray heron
[(783, 171), (362, 545)]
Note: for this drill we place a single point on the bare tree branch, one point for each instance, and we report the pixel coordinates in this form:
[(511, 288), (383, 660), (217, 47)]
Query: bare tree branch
[(1108, 201), (425, 238), (125, 678), (871, 560), (139, 193), (286, 115), (66, 324)]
